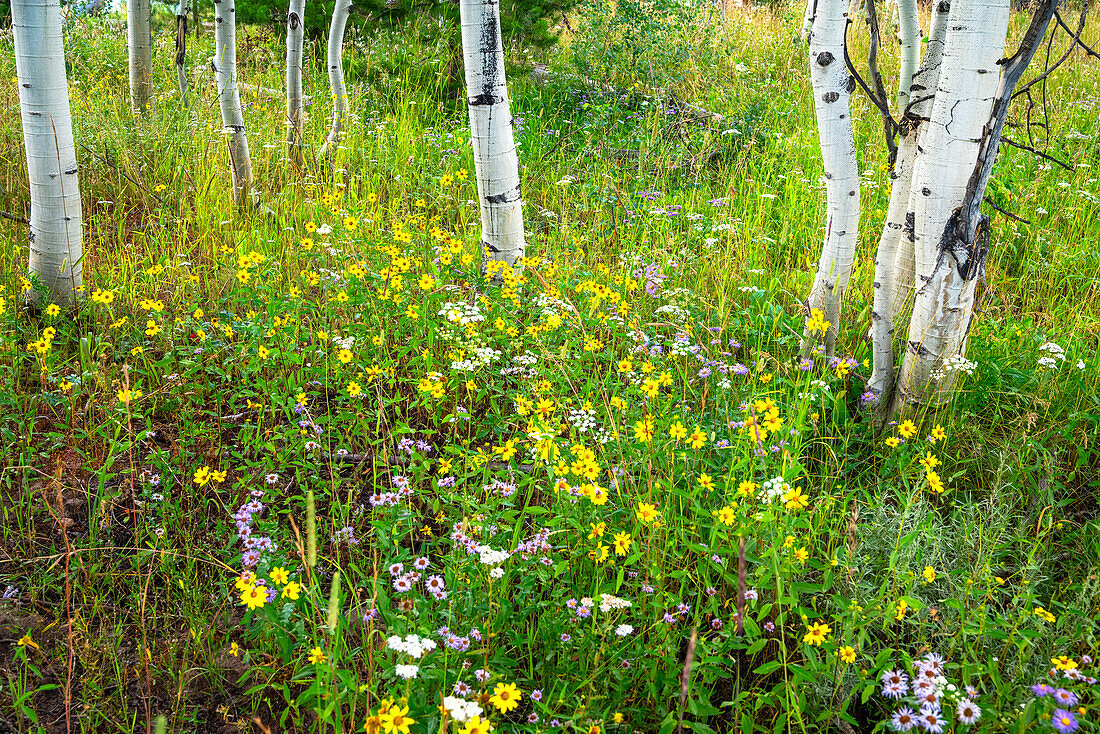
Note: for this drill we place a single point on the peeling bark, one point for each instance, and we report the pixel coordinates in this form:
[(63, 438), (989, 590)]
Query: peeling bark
[(832, 87), (964, 100), (336, 73), (496, 162), (920, 88), (229, 100), (55, 228)]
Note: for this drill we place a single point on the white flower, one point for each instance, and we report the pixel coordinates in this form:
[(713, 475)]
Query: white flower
[(623, 630), (1080, 364), (461, 710), (407, 671), (609, 602), (497, 573), (968, 712)]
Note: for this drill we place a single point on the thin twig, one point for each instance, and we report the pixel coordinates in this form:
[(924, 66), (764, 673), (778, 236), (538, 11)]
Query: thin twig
[(1051, 67), (1039, 153), (1007, 214), (15, 218), (1076, 38)]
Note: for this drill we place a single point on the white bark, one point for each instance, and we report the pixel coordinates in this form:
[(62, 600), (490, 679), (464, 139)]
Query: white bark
[(968, 82), (807, 20), (923, 92), (229, 99), (336, 73), (139, 44), (181, 49), (832, 88), (910, 38), (295, 35), (920, 88), (56, 255), (496, 162)]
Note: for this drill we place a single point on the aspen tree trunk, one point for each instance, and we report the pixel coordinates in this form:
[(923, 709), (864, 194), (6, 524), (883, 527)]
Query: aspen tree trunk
[(968, 82), (229, 100), (181, 49), (336, 73), (923, 93), (496, 162), (56, 255), (920, 90), (832, 88), (295, 35), (807, 20), (139, 43), (910, 37)]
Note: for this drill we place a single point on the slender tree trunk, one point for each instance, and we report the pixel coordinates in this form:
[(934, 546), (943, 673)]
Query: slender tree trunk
[(807, 20), (910, 36), (56, 255), (496, 162), (295, 35), (832, 88), (229, 100), (181, 49), (336, 73), (139, 43), (920, 91), (964, 99)]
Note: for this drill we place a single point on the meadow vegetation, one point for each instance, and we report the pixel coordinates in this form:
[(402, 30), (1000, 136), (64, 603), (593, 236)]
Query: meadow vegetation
[(306, 469)]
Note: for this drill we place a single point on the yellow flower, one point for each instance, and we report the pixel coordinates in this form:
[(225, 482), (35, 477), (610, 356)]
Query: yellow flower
[(795, 499), (477, 725), (597, 530), (622, 543), (53, 309), (848, 654), (617, 718), (316, 656), (698, 438), (202, 475), (505, 697), (643, 430), (938, 433), (801, 555), (291, 591), (350, 223), (279, 575), (235, 649), (907, 429), (396, 720), (125, 396), (899, 613), (747, 488), (929, 574), (600, 554), (646, 512), (26, 641), (893, 442), (705, 482), (354, 389), (1064, 663), (677, 431), (816, 633), (727, 516), (254, 596)]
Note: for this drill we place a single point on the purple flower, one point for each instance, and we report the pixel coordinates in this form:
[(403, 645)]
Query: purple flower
[(867, 397), (536, 695), (566, 637), (1064, 721), (1042, 689), (704, 373), (904, 719), (482, 674), (931, 719), (669, 619), (461, 689), (1065, 698), (250, 558)]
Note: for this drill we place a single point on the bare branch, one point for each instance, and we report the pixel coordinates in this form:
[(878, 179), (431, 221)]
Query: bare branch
[(1050, 67), (1076, 36), (890, 126), (1039, 153), (1010, 215)]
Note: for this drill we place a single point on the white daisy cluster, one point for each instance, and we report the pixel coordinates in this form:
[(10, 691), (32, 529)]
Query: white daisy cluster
[(674, 312), (344, 342), (413, 646), (460, 710), (582, 418), (1054, 354), (958, 363), (491, 557), (609, 603), (551, 306), (478, 357), (461, 313), (772, 489), (606, 435), (526, 359)]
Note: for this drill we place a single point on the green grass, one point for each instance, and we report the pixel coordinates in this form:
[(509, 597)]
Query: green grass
[(133, 609)]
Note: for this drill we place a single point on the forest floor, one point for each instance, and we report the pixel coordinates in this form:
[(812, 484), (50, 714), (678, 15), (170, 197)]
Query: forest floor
[(541, 493)]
